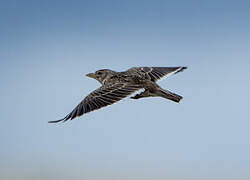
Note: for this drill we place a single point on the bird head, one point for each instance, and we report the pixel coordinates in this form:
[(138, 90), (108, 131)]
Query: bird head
[(101, 75)]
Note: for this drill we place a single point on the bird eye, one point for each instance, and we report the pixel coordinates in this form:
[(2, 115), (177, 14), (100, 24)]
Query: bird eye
[(99, 73)]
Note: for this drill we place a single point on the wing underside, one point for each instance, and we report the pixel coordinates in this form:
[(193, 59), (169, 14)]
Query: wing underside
[(100, 98)]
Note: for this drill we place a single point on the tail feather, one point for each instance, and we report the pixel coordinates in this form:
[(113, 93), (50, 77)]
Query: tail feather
[(169, 95)]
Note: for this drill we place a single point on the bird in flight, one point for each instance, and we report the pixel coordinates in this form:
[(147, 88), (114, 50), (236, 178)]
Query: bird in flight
[(118, 85)]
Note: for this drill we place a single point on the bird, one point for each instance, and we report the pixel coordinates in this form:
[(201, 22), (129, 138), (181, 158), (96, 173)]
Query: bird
[(118, 85)]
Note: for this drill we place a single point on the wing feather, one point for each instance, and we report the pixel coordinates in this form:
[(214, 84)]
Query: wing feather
[(156, 73), (100, 98)]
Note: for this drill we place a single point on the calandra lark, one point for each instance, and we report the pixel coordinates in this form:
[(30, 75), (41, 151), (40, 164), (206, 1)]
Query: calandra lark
[(118, 85)]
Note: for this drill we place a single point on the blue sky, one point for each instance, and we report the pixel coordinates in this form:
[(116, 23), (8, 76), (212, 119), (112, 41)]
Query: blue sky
[(47, 47)]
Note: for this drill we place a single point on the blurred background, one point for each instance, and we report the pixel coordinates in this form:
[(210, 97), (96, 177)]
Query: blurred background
[(47, 47)]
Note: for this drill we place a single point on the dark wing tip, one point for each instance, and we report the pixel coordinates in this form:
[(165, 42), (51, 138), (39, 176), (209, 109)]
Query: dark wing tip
[(61, 120), (181, 69), (55, 121)]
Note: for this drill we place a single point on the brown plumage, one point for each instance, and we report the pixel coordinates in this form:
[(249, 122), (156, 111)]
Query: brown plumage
[(118, 85)]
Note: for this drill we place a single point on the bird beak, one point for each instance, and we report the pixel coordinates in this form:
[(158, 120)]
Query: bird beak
[(91, 75)]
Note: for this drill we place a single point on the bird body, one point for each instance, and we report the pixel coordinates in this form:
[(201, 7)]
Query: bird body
[(118, 85)]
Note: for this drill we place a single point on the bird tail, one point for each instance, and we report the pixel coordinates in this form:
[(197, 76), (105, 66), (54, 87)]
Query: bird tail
[(169, 95)]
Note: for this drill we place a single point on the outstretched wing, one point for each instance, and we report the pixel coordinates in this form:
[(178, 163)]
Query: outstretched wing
[(101, 97), (156, 73)]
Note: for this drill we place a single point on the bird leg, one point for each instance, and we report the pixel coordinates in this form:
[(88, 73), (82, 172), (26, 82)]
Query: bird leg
[(141, 95)]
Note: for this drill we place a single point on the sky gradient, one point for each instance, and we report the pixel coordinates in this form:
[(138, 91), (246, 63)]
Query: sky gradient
[(47, 47)]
